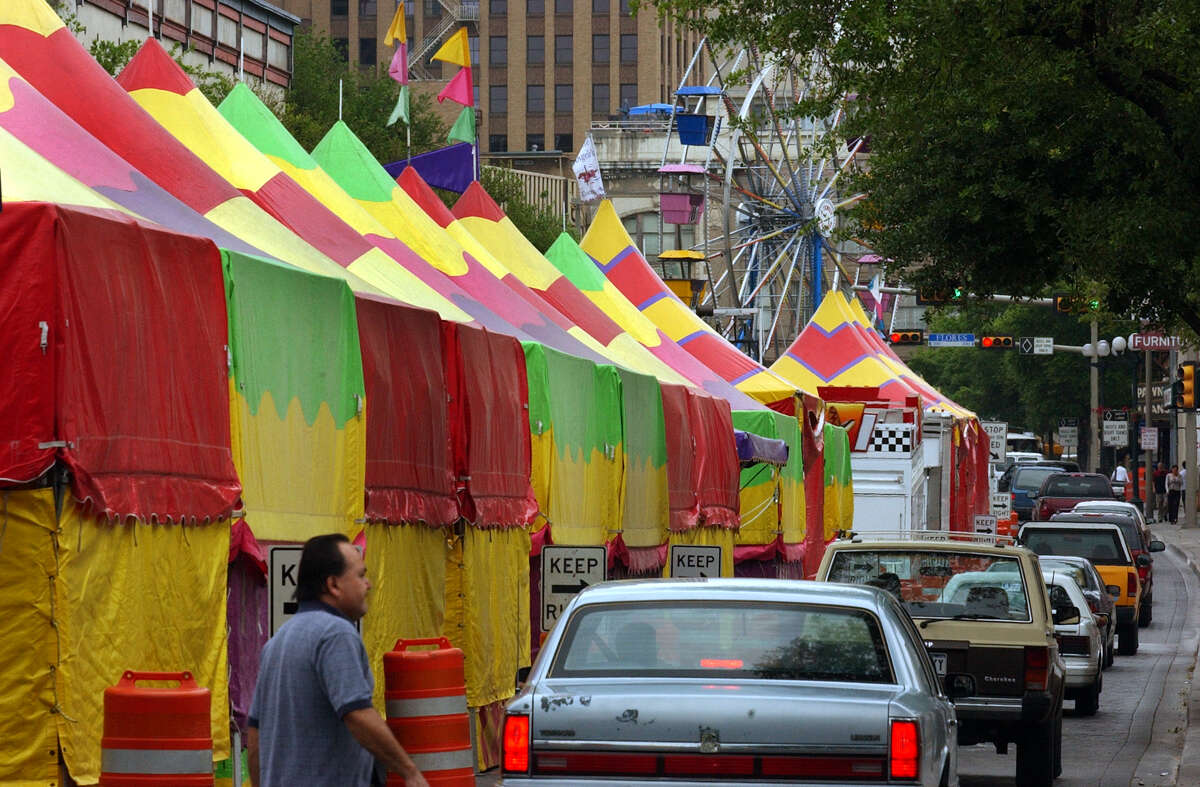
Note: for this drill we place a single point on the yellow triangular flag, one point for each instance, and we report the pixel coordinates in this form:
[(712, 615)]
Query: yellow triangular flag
[(456, 49), (396, 31)]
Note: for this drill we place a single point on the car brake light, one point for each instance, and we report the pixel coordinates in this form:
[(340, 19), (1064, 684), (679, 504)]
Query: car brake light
[(1131, 586), (1037, 665), (904, 750), (516, 744), (721, 663)]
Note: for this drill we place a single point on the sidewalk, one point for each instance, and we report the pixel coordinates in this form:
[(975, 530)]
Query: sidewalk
[(1184, 543)]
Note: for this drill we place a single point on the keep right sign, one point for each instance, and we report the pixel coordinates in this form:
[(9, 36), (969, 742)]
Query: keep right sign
[(695, 561)]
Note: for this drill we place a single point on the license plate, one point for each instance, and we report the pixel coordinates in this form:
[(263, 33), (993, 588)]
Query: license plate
[(939, 662)]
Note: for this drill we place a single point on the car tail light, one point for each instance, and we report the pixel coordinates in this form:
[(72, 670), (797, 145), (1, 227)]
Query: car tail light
[(1037, 666), (1073, 645), (721, 663), (516, 744), (1131, 586), (1143, 571), (904, 750)]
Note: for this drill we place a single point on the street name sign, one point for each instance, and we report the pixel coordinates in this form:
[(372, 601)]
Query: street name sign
[(695, 561), (565, 572), (985, 524), (997, 432), (950, 339)]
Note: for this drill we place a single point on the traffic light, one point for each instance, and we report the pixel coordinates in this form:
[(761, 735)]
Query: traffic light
[(1074, 304), (1187, 386), (996, 342), (906, 337)]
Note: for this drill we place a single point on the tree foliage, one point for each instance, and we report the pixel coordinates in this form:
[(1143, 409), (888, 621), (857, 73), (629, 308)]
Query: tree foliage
[(1022, 147), (368, 97)]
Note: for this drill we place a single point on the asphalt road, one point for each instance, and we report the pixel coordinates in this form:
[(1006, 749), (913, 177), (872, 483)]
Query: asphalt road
[(1137, 736)]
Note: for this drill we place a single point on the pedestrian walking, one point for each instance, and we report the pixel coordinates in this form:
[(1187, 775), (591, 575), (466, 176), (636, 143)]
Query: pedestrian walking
[(1120, 480), (1160, 491), (1174, 490), (311, 720)]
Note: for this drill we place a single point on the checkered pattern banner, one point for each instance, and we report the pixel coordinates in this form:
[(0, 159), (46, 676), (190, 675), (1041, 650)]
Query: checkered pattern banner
[(891, 439)]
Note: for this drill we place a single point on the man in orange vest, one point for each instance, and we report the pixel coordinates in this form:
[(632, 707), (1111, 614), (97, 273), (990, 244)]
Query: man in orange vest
[(311, 721)]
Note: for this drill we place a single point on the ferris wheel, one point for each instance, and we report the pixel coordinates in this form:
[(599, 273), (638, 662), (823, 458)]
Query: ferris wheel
[(778, 176)]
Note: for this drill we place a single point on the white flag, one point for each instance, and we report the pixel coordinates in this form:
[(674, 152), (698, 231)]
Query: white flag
[(587, 172)]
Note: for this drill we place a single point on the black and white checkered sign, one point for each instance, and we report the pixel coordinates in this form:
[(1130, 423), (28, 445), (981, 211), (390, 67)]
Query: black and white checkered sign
[(891, 439)]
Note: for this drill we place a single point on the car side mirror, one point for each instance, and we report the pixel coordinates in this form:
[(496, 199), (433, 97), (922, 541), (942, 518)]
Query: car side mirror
[(523, 675), (1144, 560), (959, 685), (1067, 613), (1113, 590), (1157, 546)]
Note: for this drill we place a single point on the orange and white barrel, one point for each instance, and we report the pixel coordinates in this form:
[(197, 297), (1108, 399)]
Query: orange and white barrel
[(426, 696), (156, 737)]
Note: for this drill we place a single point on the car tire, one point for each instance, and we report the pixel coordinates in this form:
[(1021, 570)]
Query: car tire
[(1127, 639), (1110, 652), (1146, 613), (1087, 703), (1036, 755)]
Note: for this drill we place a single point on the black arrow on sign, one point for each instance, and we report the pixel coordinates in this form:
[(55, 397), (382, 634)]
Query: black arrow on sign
[(568, 588)]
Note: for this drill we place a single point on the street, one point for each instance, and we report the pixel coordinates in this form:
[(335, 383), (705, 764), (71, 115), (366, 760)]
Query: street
[(1137, 736)]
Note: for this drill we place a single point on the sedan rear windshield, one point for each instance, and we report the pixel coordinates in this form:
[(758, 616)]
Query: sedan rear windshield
[(1101, 546), (1029, 479), (720, 640), (1077, 486), (933, 584)]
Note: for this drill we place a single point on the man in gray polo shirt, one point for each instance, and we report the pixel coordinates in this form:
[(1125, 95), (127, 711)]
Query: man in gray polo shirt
[(311, 721)]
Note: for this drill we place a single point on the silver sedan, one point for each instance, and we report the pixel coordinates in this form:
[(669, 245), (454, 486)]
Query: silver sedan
[(732, 682)]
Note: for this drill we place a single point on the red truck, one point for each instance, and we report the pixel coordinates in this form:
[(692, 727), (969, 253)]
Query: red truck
[(1061, 491)]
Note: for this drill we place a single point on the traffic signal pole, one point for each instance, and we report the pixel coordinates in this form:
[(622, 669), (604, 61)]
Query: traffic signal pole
[(1094, 410)]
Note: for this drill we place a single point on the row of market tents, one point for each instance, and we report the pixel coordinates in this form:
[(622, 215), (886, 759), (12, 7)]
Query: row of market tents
[(216, 341)]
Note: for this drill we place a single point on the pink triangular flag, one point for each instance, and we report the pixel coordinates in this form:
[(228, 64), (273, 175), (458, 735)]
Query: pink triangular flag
[(398, 70), (459, 89)]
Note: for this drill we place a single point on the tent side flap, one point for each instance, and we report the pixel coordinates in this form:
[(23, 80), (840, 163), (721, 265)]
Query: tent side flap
[(644, 449), (407, 480), (717, 471), (495, 392), (141, 382), (682, 450)]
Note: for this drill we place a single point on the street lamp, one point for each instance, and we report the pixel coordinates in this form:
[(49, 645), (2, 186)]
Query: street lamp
[(1094, 351)]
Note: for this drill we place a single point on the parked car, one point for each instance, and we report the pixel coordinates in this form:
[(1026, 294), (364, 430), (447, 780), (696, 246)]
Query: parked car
[(1080, 640), (1025, 480), (1062, 491), (1138, 543), (1098, 595), (986, 619), (731, 681), (1120, 506), (1104, 545)]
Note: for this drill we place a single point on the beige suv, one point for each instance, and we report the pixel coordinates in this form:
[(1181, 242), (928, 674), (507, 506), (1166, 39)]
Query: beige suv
[(982, 609)]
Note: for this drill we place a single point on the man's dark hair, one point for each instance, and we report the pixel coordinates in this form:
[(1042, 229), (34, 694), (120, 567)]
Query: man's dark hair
[(321, 559)]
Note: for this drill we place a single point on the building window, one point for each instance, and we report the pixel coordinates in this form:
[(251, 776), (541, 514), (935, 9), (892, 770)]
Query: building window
[(535, 99), (625, 11), (563, 50), (473, 48), (366, 51), (601, 100), (535, 49), (564, 98), (535, 7), (600, 52), (498, 143), (498, 50), (497, 99), (600, 7), (342, 45), (368, 7), (564, 142), (564, 6), (629, 47), (339, 8), (433, 9), (535, 141), (629, 96), (498, 7)]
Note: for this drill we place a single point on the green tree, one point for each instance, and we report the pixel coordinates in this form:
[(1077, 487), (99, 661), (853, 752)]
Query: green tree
[(368, 96), (1015, 147), (542, 227)]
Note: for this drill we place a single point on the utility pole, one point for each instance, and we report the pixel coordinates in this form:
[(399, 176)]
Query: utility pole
[(1094, 410), (1148, 502)]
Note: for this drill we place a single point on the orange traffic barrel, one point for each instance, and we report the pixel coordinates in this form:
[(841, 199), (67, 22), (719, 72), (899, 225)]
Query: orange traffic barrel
[(426, 696), (156, 737)]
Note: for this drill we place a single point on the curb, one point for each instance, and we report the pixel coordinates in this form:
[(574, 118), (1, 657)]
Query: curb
[(1189, 759)]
